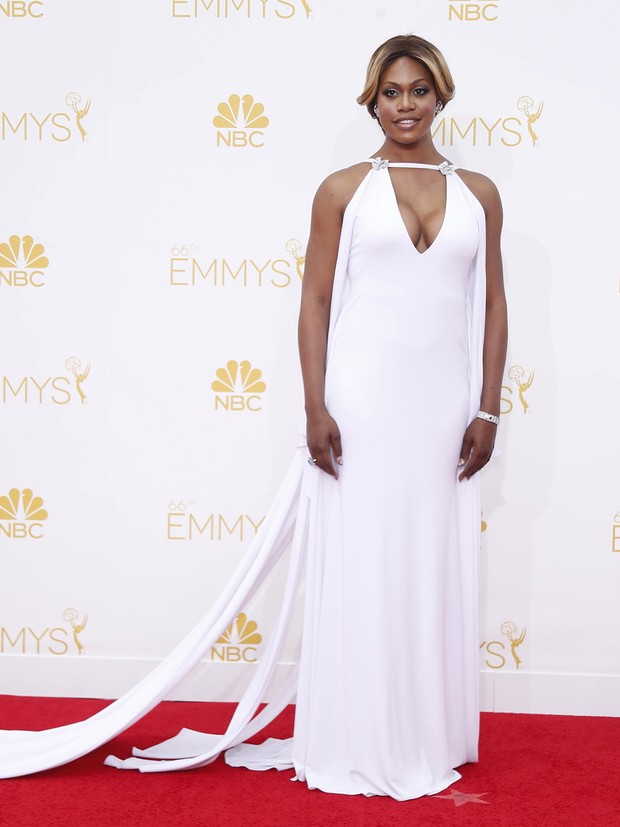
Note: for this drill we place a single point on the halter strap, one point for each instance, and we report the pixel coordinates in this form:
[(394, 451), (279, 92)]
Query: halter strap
[(381, 163)]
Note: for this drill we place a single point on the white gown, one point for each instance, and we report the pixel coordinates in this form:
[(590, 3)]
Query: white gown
[(387, 689)]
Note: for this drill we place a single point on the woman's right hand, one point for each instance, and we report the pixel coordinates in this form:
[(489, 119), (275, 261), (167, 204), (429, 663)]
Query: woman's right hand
[(324, 443)]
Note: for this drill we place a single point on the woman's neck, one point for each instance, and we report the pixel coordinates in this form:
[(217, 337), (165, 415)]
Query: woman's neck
[(410, 153)]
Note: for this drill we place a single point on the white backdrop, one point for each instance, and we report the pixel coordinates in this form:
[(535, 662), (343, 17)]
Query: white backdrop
[(158, 165)]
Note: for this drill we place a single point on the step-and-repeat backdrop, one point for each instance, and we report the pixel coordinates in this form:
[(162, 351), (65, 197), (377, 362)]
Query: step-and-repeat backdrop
[(158, 162)]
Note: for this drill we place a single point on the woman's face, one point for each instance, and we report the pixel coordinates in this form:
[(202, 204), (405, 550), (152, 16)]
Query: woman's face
[(406, 100)]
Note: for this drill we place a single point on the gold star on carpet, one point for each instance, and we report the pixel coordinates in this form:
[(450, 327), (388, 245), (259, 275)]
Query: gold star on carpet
[(464, 798)]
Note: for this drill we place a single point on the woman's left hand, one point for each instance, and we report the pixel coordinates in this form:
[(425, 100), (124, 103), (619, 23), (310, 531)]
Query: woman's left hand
[(477, 447)]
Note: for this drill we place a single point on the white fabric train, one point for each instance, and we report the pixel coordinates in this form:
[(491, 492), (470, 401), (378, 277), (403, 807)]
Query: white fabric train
[(285, 526)]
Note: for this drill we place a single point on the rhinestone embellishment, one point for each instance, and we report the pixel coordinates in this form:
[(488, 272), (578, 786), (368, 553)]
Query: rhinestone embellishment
[(379, 163), (446, 169)]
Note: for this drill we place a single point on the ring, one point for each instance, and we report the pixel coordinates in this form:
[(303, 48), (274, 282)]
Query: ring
[(311, 461)]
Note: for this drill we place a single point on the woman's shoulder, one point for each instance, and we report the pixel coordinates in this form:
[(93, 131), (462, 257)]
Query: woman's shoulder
[(482, 187), (339, 187)]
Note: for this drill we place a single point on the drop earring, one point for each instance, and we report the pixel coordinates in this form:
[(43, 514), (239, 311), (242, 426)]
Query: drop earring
[(438, 107), (375, 109)]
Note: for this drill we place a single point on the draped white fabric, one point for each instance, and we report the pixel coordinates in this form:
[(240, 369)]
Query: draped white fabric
[(295, 515), (22, 753)]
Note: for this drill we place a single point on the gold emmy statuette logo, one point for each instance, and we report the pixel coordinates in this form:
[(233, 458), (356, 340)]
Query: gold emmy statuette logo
[(473, 12), (509, 630), (238, 643), (74, 365), (242, 121), (495, 650), (71, 616), (293, 246), (526, 105), (615, 533), (489, 130), (517, 374), (483, 524), (55, 390), (22, 8), (307, 8), (74, 100), (21, 514), (24, 261), (241, 385)]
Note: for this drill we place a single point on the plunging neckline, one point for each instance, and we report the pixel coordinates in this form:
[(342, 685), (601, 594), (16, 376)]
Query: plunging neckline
[(445, 168)]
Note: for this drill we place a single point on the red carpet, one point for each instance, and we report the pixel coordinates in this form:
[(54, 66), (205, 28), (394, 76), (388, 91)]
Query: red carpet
[(535, 770)]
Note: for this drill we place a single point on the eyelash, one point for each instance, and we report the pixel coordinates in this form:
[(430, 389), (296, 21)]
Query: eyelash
[(388, 92)]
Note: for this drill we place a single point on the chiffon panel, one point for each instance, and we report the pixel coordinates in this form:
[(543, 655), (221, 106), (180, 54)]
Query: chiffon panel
[(387, 680)]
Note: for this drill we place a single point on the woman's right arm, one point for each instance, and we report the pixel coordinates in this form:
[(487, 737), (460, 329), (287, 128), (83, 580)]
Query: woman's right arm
[(327, 211)]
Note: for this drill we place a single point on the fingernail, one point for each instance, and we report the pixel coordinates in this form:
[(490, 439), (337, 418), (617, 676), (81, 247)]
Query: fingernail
[(339, 460)]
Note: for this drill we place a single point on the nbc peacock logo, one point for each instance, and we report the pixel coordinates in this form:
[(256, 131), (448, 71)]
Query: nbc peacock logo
[(240, 122), (238, 643), (21, 515), (22, 262), (238, 387)]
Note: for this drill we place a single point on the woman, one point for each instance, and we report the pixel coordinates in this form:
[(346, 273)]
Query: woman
[(390, 644), (402, 264)]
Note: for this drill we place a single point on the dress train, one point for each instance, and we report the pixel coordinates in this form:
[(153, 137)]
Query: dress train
[(23, 752), (290, 523)]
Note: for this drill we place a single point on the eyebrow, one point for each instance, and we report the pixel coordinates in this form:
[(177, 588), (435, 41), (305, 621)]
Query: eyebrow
[(394, 83)]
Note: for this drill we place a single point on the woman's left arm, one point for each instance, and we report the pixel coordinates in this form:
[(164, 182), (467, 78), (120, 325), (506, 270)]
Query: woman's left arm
[(479, 437)]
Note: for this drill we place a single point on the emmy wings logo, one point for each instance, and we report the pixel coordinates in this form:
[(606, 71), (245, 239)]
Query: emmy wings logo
[(240, 122), (189, 267), (22, 262), (238, 387), (509, 131), (236, 9), (238, 643), (615, 533), (498, 654), (21, 515), (476, 12), (80, 110), (16, 9), (50, 640), (294, 248), (54, 390), (185, 521), (521, 383), (58, 126), (532, 113)]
